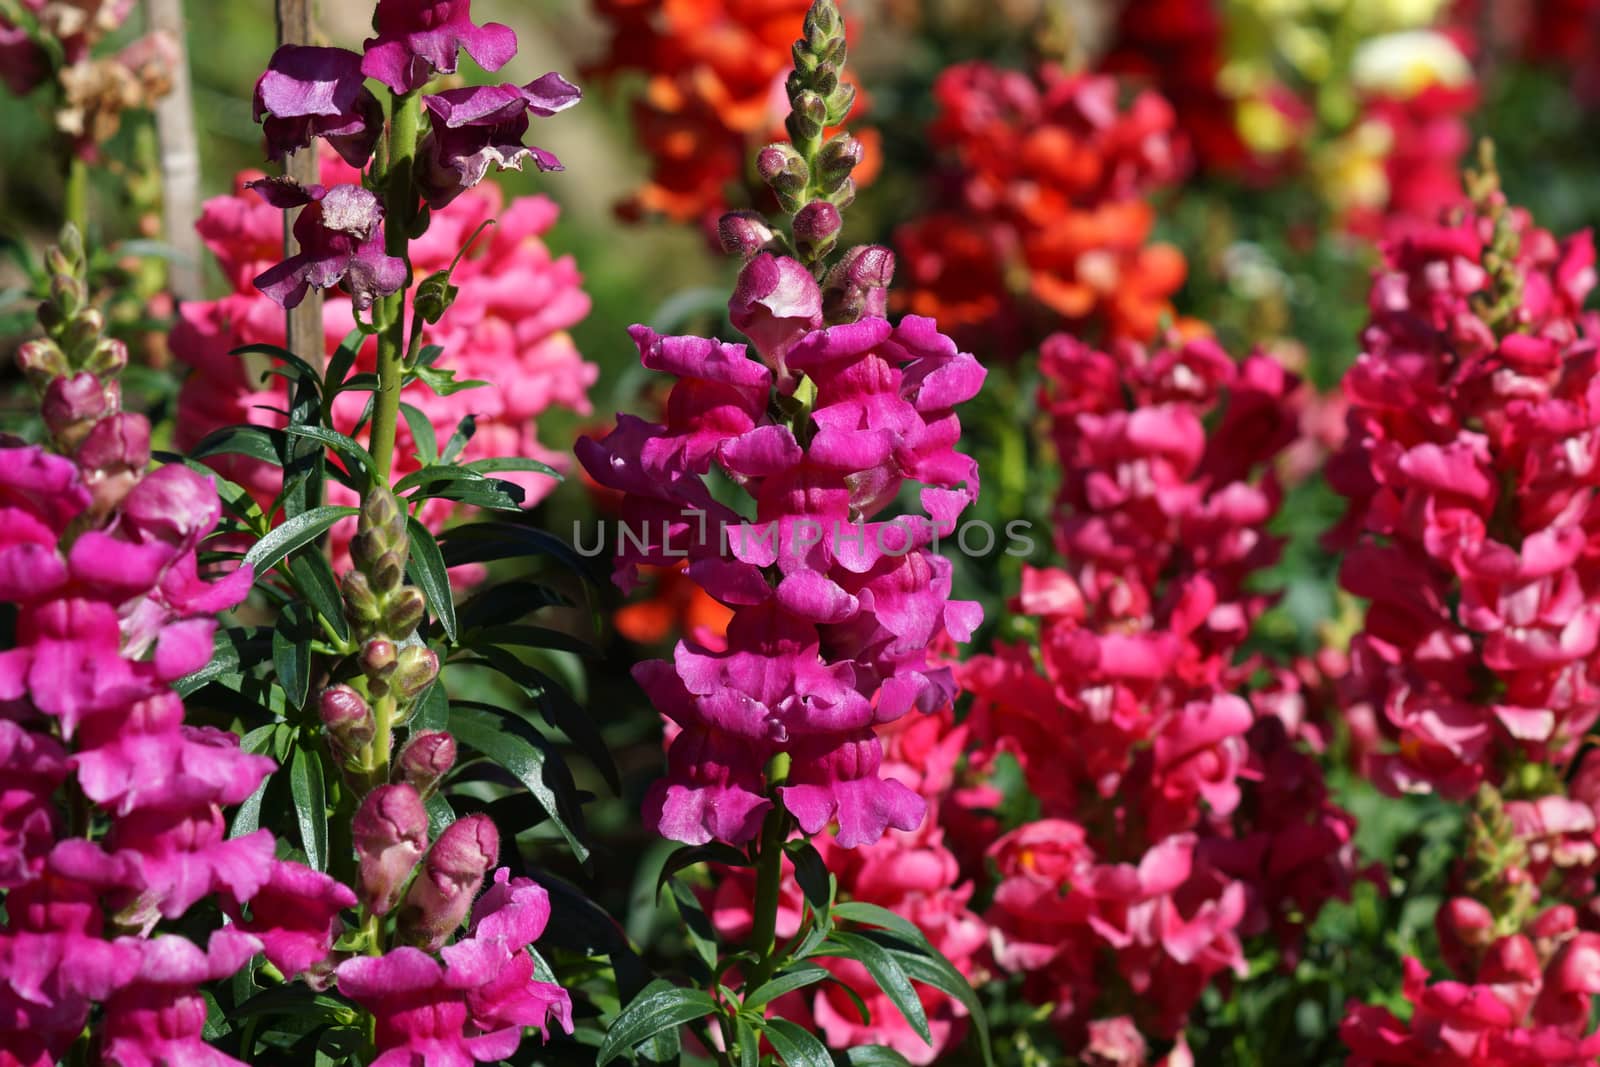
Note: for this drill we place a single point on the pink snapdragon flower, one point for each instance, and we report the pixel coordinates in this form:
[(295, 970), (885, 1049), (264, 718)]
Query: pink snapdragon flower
[(834, 608), (474, 1006), (1466, 471), (1177, 816)]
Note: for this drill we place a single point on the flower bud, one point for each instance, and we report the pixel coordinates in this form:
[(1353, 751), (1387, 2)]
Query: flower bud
[(387, 572), (347, 718), (427, 757), (378, 658), (360, 604), (816, 229), (808, 114), (1509, 960), (73, 405), (109, 358), (1464, 928), (434, 296), (82, 334), (783, 169), (68, 295), (415, 670), (858, 285), (841, 155), (391, 832), (383, 524), (404, 612), (451, 876), (743, 233), (42, 362)]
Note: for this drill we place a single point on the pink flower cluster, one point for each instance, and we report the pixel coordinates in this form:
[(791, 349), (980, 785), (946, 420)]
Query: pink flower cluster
[(1175, 818), (1524, 1000), (508, 327), (99, 559), (474, 1005), (833, 608), (1469, 471)]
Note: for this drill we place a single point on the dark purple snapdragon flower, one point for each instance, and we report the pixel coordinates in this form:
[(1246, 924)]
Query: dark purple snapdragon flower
[(341, 240), (311, 92), (476, 127), (419, 38)]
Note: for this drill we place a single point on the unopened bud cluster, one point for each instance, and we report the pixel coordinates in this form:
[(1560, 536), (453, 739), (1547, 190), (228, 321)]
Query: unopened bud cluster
[(393, 667), (809, 177), (75, 369)]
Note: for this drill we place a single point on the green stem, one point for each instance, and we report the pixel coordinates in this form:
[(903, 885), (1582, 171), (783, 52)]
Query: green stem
[(400, 201), (76, 206), (769, 875)]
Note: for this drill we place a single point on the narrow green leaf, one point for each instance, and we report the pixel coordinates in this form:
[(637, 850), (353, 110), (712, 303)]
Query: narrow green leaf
[(292, 534), (496, 464), (875, 1056), (297, 367), (484, 542), (310, 804), (702, 935), (426, 568), (557, 708), (506, 602), (313, 575), (812, 873), (749, 1043), (517, 747), (690, 855), (433, 710), (649, 1015), (339, 364), (260, 741), (421, 428), (458, 440), (291, 654), (886, 971), (358, 461), (934, 969), (524, 636), (256, 442), (797, 976), (795, 1045), (233, 649)]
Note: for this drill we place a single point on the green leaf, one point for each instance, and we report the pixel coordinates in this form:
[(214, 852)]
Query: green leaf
[(339, 364), (233, 649), (496, 464), (421, 428), (310, 804), (690, 855), (292, 534), (875, 1056), (519, 635), (749, 1043), (557, 708), (649, 1014), (262, 740), (313, 576), (295, 366), (506, 602), (874, 915), (517, 747), (696, 924), (433, 710), (236, 499), (484, 542), (797, 976), (358, 461), (443, 382), (426, 568), (886, 972), (458, 440), (491, 494), (926, 964), (795, 1045), (812, 873), (298, 1000), (291, 654), (256, 442)]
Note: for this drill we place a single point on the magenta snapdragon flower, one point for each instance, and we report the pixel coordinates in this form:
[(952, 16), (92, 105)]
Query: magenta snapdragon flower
[(420, 38), (835, 606)]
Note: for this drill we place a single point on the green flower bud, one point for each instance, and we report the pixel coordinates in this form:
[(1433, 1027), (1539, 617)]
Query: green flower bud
[(360, 604), (415, 670), (434, 296), (404, 612)]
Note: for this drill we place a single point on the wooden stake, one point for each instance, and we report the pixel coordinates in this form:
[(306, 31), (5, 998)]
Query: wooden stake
[(305, 336)]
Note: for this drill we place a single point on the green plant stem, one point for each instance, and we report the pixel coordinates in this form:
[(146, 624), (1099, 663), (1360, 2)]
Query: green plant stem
[(76, 206), (400, 200), (769, 875)]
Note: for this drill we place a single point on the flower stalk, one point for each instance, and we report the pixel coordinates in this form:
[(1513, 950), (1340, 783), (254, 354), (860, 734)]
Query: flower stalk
[(400, 199)]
